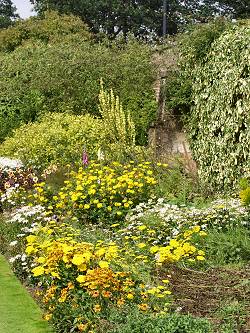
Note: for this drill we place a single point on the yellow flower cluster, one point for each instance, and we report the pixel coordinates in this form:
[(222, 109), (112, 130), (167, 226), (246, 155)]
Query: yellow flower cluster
[(180, 248), (69, 269), (105, 192)]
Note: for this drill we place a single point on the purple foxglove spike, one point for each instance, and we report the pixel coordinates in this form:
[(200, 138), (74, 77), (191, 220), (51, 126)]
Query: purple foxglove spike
[(85, 159)]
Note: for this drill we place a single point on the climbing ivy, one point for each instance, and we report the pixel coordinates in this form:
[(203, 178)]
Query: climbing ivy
[(219, 124)]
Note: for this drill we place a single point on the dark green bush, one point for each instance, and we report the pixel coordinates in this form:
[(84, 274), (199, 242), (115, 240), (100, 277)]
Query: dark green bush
[(48, 28), (194, 46), (65, 77)]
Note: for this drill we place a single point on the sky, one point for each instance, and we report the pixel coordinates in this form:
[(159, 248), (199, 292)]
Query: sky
[(24, 8)]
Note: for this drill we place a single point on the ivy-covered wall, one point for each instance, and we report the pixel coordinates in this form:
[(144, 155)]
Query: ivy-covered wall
[(219, 124)]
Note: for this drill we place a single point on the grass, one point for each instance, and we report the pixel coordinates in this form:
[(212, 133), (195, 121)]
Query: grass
[(19, 312)]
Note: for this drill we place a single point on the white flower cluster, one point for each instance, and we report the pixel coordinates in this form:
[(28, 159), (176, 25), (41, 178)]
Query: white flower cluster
[(8, 195), (7, 163), (220, 213), (26, 213), (31, 217)]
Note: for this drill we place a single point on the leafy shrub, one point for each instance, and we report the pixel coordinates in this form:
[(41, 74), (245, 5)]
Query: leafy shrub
[(194, 45), (56, 138), (228, 247), (218, 124), (48, 28), (136, 322), (64, 76)]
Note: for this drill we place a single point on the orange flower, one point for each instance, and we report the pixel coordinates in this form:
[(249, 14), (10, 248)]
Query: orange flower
[(106, 294), (95, 293), (82, 327), (143, 306), (120, 302)]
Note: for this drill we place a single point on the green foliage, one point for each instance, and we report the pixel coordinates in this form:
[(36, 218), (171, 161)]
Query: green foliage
[(64, 77), (233, 315), (56, 138), (245, 196), (142, 18), (47, 29), (238, 9), (230, 246), (137, 322), (7, 13), (218, 125), (194, 46), (19, 312), (9, 119)]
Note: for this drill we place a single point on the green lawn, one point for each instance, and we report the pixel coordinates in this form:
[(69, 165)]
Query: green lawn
[(18, 311)]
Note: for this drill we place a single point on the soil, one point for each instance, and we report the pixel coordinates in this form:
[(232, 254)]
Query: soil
[(204, 293)]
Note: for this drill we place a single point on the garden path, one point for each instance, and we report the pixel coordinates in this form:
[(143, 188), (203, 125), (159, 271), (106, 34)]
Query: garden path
[(18, 311)]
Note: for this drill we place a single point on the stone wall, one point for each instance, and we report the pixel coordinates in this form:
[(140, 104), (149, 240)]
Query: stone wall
[(167, 137)]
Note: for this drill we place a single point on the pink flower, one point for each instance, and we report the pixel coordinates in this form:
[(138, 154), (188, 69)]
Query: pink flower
[(85, 160)]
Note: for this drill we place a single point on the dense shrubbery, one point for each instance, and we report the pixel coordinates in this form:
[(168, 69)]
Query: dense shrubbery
[(64, 76), (56, 139), (194, 46), (47, 29), (218, 124)]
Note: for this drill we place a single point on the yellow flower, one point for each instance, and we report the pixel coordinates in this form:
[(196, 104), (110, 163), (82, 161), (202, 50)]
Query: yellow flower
[(143, 306), (97, 308), (37, 271), (142, 227), (31, 238), (86, 206), (141, 245), (197, 228), (91, 191), (165, 281), (130, 296), (82, 327), (200, 258), (29, 250), (103, 264), (78, 259), (174, 243), (41, 260), (154, 249), (81, 278), (202, 233), (48, 316), (99, 205)]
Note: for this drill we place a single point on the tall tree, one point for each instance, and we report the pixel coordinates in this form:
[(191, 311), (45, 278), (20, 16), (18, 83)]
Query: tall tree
[(139, 17), (237, 8), (7, 13)]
